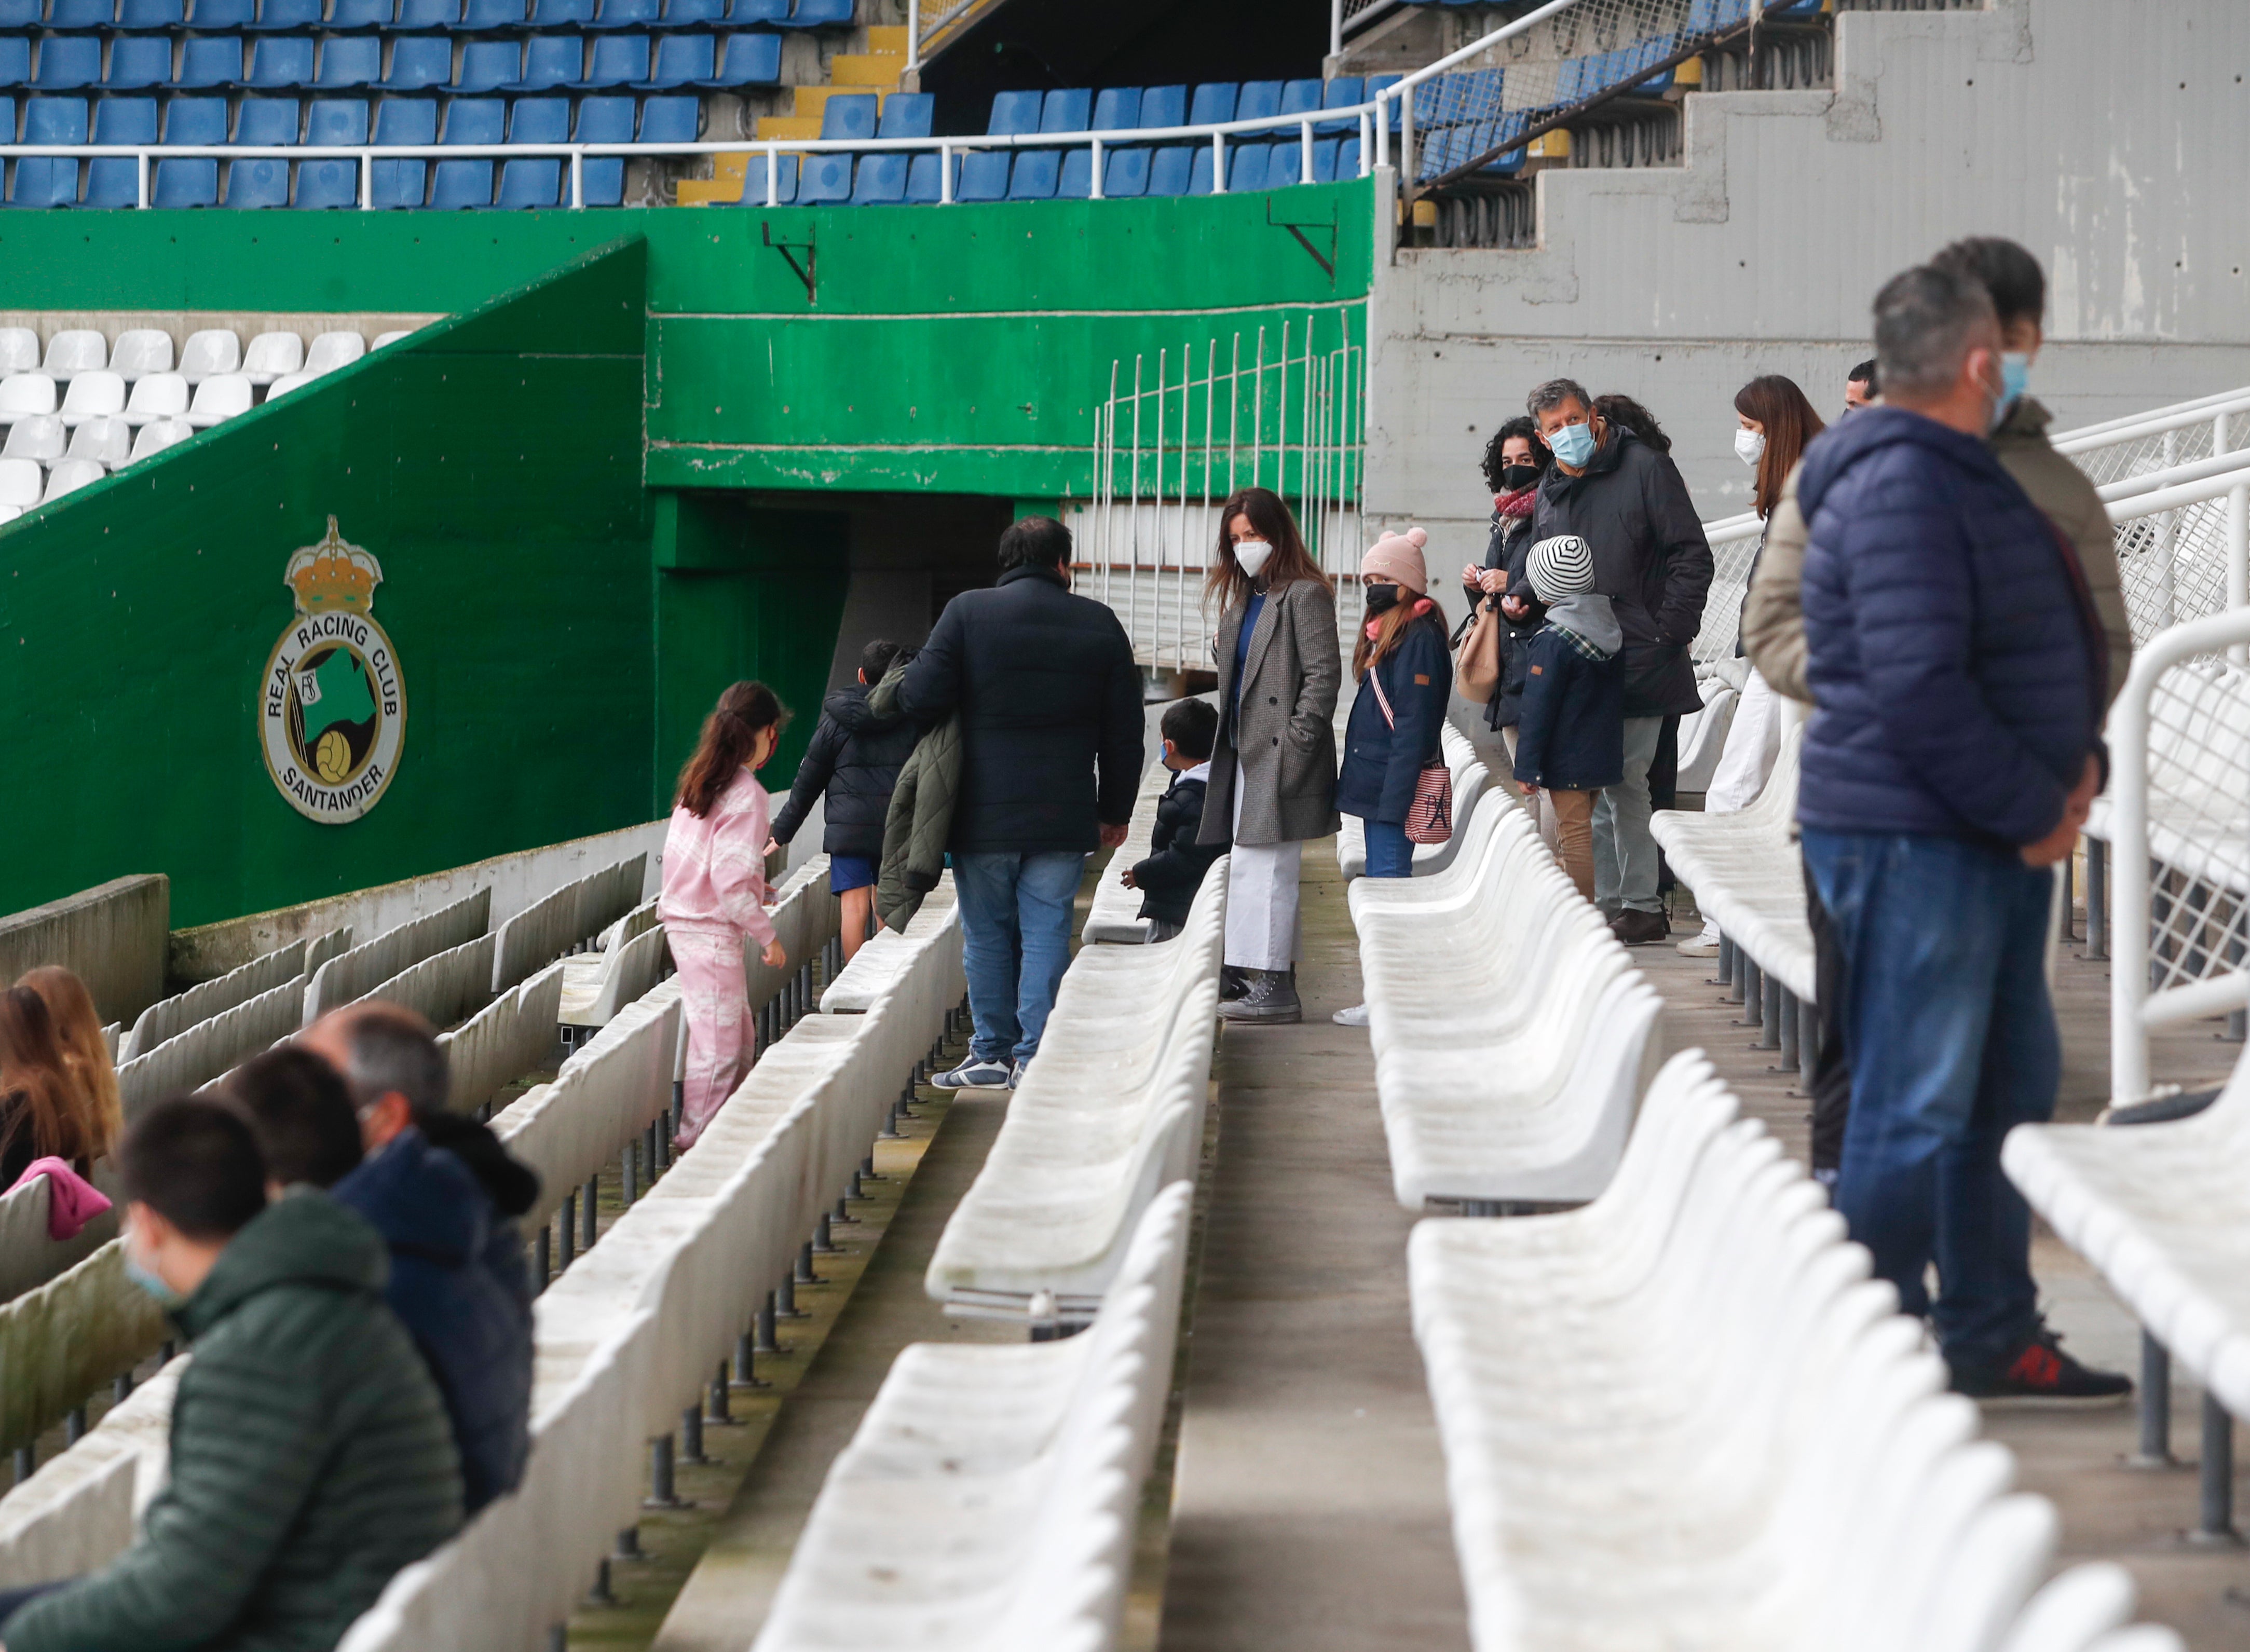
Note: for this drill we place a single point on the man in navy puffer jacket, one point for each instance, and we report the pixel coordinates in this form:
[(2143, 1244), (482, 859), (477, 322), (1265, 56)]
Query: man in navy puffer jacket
[(1958, 667)]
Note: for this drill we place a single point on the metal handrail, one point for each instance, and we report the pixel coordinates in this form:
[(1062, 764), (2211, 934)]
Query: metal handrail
[(2125, 423), (2184, 417)]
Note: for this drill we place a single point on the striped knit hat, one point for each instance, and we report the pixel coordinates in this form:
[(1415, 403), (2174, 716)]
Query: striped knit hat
[(1560, 567)]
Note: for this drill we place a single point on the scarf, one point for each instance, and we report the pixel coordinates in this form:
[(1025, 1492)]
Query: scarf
[(1516, 505), (1422, 606)]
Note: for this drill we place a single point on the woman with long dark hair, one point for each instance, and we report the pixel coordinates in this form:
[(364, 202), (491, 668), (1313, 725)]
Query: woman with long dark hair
[(715, 890), (1273, 765), (1514, 461), (44, 1113), (1773, 424), (85, 1053)]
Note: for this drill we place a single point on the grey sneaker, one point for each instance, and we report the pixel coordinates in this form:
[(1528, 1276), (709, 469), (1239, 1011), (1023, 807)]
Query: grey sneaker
[(973, 1075), (1270, 1001)]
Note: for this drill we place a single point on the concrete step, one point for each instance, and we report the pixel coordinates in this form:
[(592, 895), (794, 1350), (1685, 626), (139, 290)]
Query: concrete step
[(866, 70), (886, 37)]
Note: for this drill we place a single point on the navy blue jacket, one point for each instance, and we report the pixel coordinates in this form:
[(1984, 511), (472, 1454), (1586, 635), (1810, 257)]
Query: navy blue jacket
[(855, 757), (1380, 765), (1571, 734), (458, 1285), (1169, 878), (1950, 643)]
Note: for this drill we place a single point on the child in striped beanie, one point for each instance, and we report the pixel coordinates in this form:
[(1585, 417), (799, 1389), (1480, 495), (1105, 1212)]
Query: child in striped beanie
[(1571, 742)]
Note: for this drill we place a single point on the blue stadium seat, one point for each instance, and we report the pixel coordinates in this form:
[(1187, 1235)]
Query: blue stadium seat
[(1301, 97), (749, 59), (21, 14), (355, 16), (461, 183), (349, 61), (116, 182), (1015, 113), (603, 119), (534, 181), (1258, 99), (849, 115), (773, 12), (43, 180), (670, 120), (68, 62), (1377, 83), (1199, 171), (279, 61), (152, 14), (551, 61), (825, 180), (616, 60), (15, 59), (138, 61), (213, 15), (426, 16), (402, 121), (7, 119), (1171, 169), (1162, 105), (267, 121), (560, 14), (275, 16), (681, 60), (198, 122), (1246, 167), (1117, 109), (1347, 158), (1324, 159), (626, 14), (819, 14), (538, 121), (1214, 102), (1125, 173), (925, 180), (332, 183), (754, 181), (1034, 176), (490, 14), (881, 180), (1709, 17), (983, 177), (692, 14), (258, 183), (1068, 110), (55, 121), (486, 65), (81, 14), (419, 63), (1343, 92)]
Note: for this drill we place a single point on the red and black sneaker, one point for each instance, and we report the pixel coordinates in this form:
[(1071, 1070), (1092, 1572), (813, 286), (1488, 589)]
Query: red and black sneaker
[(2041, 1375)]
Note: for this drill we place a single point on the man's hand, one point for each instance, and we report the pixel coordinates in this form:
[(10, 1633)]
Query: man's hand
[(774, 955), (1492, 581), (1112, 836), (1126, 878), (2058, 844), (1515, 608)]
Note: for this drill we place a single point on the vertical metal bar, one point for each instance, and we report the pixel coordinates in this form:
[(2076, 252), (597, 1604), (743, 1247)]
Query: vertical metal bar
[(914, 36), (1406, 168), (2156, 1404), (1381, 129), (1093, 185), (1789, 1028), (588, 1216), (1808, 1041), (945, 175), (718, 1410), (625, 1168), (577, 179), (2216, 1472), (660, 1492), (1258, 415), (569, 1232), (2128, 931), (1282, 418), (773, 176), (2237, 560), (1336, 28), (1305, 156), (541, 1272), (141, 187), (1769, 1011), (1367, 161), (27, 1462), (691, 1435), (2097, 900), (1218, 162)]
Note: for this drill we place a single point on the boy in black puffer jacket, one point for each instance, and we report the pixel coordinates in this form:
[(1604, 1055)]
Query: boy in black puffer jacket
[(1571, 742), (855, 757), (1174, 869)]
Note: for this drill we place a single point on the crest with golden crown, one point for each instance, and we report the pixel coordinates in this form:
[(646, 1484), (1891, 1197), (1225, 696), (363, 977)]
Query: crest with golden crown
[(333, 576)]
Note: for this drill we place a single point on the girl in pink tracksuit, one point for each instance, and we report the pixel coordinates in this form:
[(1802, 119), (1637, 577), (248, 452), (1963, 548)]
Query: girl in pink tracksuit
[(715, 888)]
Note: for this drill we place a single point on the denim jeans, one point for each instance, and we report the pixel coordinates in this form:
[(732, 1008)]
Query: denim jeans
[(1389, 855), (1015, 944), (1952, 1044), (1624, 849)]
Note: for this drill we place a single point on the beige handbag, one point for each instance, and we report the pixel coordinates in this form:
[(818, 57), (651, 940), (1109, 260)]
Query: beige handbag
[(1476, 668)]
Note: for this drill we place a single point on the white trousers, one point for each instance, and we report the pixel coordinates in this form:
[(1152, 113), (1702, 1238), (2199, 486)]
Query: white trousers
[(1753, 744), (1261, 899)]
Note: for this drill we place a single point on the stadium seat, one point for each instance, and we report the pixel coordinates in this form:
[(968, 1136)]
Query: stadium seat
[(1214, 103), (551, 63), (849, 115), (81, 14), (350, 61), (220, 397), (560, 14), (749, 59), (609, 14), (984, 174), (291, 17), (158, 396), (684, 60), (214, 16), (616, 60), (49, 180), (139, 352), (190, 183), (103, 437), (209, 62), (139, 62), (34, 436), (492, 14), (603, 119), (1246, 167), (403, 122), (692, 14), (925, 182), (258, 183), (270, 355), (68, 62), (1117, 109), (152, 14), (332, 183), (1302, 97), (382, 339), (73, 351), (20, 481), (1258, 99), (1125, 173), (882, 177), (354, 16), (333, 350), (286, 382), (669, 119), (279, 62), (68, 475), (774, 13), (19, 353), (1172, 169), (424, 14), (1343, 92), (533, 181), (96, 394), (1036, 171), (419, 62), (825, 179), (1163, 105), (26, 393), (267, 121), (159, 434), (784, 192), (208, 353), (486, 65), (461, 183), (818, 14)]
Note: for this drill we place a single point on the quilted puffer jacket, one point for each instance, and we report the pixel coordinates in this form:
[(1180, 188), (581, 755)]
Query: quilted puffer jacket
[(1952, 644), (920, 816)]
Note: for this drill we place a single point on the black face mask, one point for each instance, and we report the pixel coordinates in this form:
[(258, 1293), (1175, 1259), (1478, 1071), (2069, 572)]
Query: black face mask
[(1516, 478), (1382, 598)]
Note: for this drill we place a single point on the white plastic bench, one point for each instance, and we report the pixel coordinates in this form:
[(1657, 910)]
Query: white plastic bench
[(1703, 736), (988, 1501), (1512, 1035), (1114, 914), (1683, 1416), (888, 953), (1471, 779)]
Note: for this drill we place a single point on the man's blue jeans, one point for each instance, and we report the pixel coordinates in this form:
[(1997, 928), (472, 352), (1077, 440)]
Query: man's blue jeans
[(1015, 929), (1389, 853), (1952, 1044)]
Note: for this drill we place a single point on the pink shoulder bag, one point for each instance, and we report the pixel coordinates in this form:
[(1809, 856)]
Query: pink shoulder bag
[(1429, 817)]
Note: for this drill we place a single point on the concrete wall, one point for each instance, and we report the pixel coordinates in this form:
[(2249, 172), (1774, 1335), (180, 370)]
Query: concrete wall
[(112, 935), (2107, 147)]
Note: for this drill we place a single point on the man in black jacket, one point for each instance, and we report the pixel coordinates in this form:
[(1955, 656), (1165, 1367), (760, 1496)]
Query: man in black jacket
[(1650, 560), (1172, 871), (1047, 692)]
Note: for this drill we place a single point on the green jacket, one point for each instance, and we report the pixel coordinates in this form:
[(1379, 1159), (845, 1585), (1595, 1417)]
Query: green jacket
[(311, 1458), (920, 817)]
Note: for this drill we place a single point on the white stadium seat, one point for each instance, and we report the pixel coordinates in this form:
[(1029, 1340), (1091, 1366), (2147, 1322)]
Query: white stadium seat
[(140, 351), (158, 434), (157, 396), (1114, 912), (332, 350), (97, 394), (67, 475), (8, 512), (19, 351), (382, 339), (270, 355), (212, 351), (20, 481), (37, 436), (220, 397), (286, 382), (105, 438), (23, 393), (74, 351)]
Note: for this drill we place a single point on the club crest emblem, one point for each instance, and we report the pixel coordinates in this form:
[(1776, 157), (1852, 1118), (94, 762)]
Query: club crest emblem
[(332, 708)]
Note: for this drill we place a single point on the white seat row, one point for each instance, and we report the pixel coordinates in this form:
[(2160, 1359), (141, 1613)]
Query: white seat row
[(888, 953), (988, 1499), (142, 352), (1471, 778), (1114, 912), (1684, 1416), (1703, 735), (1110, 1111), (1512, 1035)]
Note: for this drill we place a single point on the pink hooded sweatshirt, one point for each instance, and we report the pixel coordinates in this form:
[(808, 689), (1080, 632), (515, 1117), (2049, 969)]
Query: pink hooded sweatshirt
[(715, 865)]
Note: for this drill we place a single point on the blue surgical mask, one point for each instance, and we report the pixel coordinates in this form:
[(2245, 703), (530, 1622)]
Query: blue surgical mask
[(1573, 444), (167, 1298), (2015, 379)]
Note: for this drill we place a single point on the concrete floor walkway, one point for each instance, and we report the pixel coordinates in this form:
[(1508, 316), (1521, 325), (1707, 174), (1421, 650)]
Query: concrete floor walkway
[(1309, 1505)]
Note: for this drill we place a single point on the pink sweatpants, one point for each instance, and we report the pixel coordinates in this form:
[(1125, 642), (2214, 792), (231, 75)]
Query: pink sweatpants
[(721, 1037)]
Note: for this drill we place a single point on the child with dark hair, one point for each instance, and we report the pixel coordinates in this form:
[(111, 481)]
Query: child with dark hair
[(1170, 876), (854, 760), (301, 1110), (310, 1454)]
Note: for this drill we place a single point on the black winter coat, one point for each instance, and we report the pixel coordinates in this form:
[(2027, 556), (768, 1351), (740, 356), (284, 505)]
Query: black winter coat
[(1650, 560), (1572, 735), (855, 757), (1173, 872), (1047, 692), (1509, 547), (1381, 764)]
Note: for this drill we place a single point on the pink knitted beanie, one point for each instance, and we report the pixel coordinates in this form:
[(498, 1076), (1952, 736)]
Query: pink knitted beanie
[(1397, 557)]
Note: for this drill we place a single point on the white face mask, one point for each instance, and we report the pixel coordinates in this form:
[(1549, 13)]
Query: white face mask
[(1749, 447), (1253, 554)]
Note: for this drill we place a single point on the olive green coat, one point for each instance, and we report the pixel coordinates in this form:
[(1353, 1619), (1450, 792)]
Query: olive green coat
[(920, 819)]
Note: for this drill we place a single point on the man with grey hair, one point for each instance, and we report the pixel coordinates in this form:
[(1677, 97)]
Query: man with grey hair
[(1627, 502), (1957, 659)]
